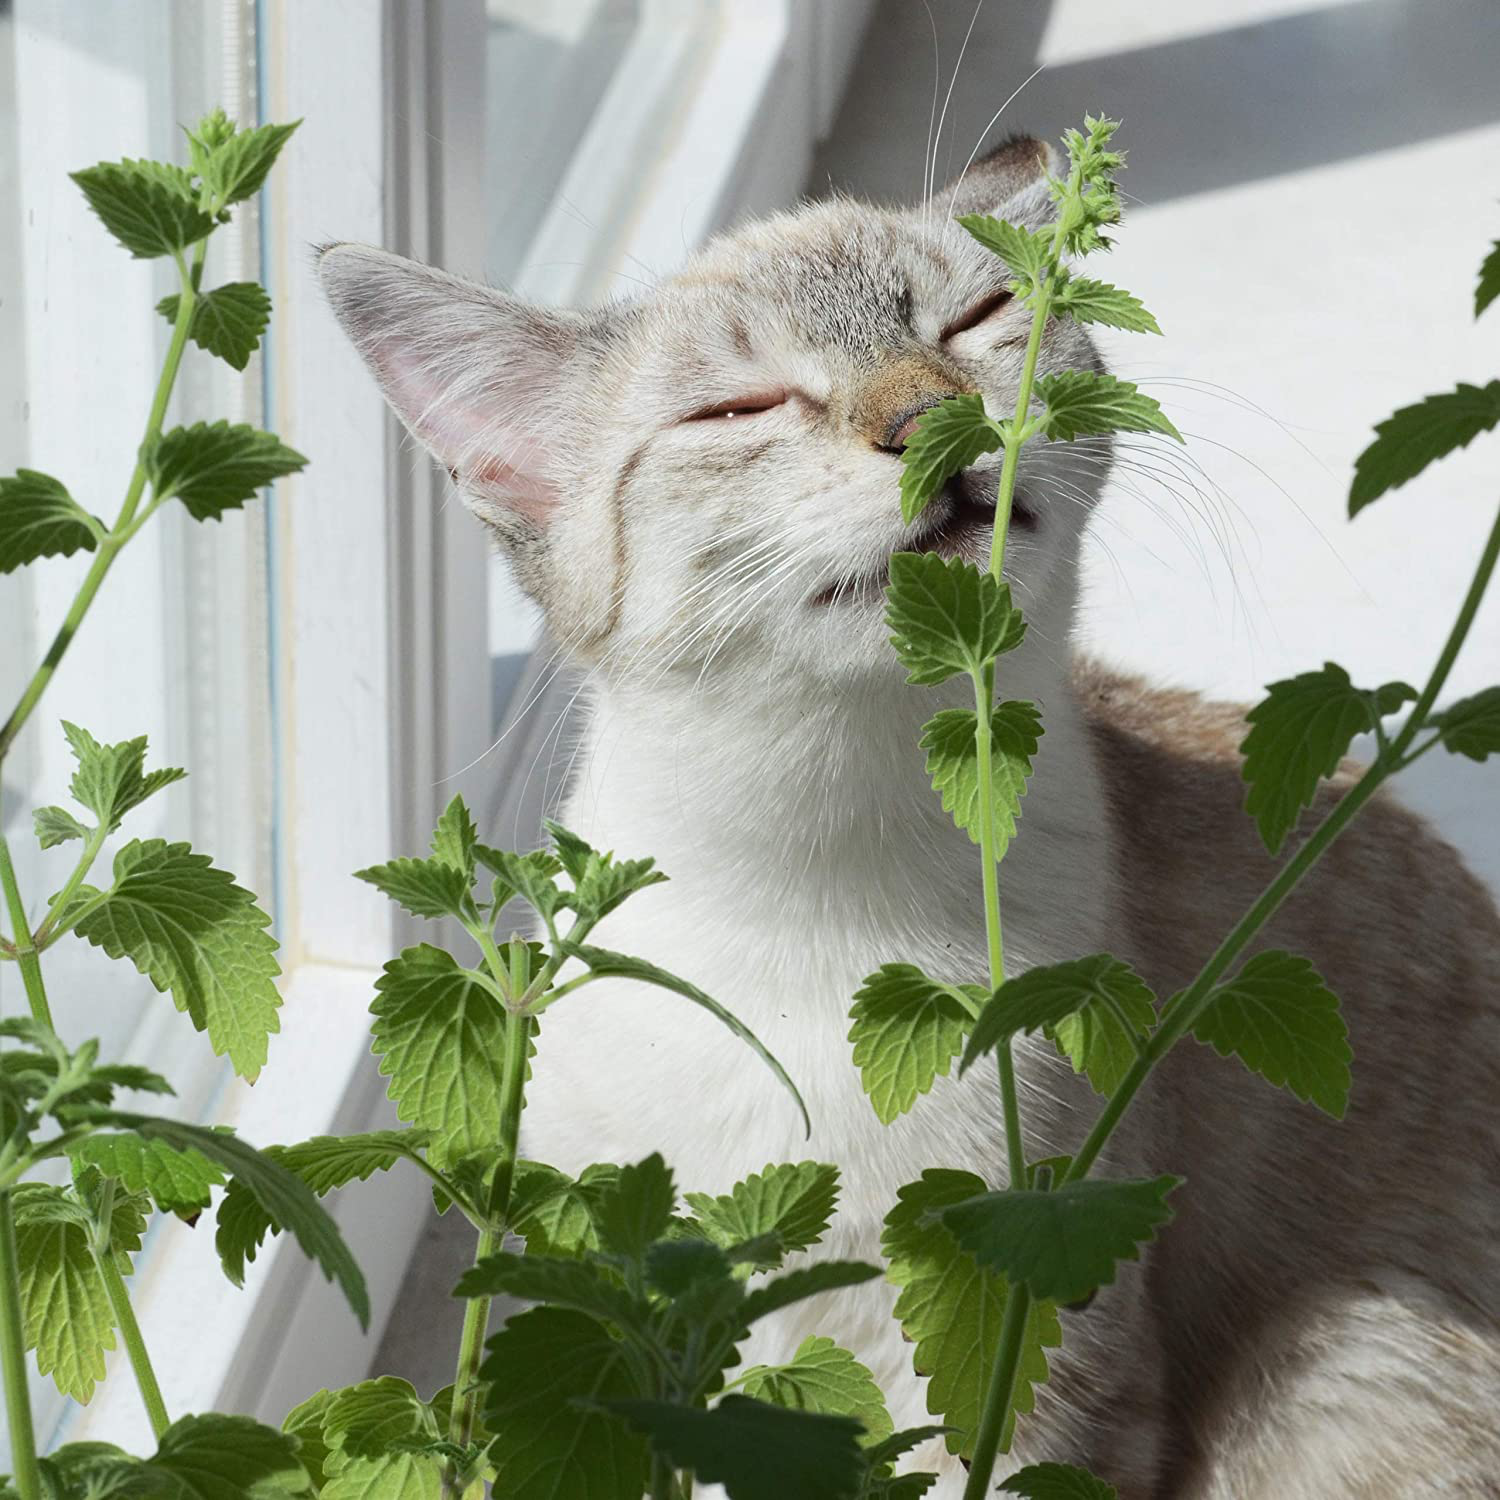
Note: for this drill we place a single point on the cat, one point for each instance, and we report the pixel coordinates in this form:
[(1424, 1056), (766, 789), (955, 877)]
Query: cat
[(699, 488)]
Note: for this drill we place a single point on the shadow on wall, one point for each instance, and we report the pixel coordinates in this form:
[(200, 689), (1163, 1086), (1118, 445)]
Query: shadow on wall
[(1244, 103)]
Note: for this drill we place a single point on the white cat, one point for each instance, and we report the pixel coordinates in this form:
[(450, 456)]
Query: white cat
[(699, 487)]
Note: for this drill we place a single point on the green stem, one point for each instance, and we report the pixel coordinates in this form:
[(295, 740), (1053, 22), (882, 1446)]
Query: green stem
[(135, 1344), (663, 1481), (1005, 495), (470, 1352), (25, 948), (999, 1393), (1182, 1012), (47, 933), (27, 1477)]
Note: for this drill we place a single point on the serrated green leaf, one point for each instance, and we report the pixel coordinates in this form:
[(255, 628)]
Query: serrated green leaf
[(191, 930), (677, 1266), (1065, 1243), (951, 1309), (607, 882), (546, 1447), (112, 779), (948, 438), (552, 1212), (305, 1423), (822, 1377), (1298, 735), (1414, 436), (1088, 301), (806, 1281), (362, 1421), (237, 169), (222, 1457), (558, 1282), (1081, 403), (1471, 726), (1488, 287), (888, 1450), (87, 1471), (526, 875), (634, 1210), (425, 887), (605, 963), (149, 206), (227, 321), (906, 1031), (947, 617), (393, 1476), (1095, 1008), (132, 1076), (1025, 251), (792, 1202), (217, 466), (755, 1450), (39, 518), (455, 838), (64, 1306), (573, 853), (55, 825), (1057, 1482), (900, 1486), (1279, 1018), (281, 1193), (440, 1036), (953, 764), (178, 1181)]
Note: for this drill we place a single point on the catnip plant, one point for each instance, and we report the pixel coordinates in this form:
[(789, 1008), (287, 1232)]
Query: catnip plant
[(622, 1377)]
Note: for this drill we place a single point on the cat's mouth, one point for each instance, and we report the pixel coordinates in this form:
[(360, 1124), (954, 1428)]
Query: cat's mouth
[(958, 522)]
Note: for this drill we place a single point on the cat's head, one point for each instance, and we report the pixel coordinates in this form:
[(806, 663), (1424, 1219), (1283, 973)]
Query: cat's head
[(709, 472)]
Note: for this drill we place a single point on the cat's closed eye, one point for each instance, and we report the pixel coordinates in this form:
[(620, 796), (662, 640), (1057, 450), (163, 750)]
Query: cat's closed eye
[(739, 406), (986, 307)]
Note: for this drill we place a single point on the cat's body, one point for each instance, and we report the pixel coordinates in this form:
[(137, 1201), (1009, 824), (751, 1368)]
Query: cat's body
[(1323, 1318)]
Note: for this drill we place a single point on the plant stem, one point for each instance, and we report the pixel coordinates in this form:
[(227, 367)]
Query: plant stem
[(135, 1344), (470, 1352), (1182, 1012), (26, 954), (47, 934), (663, 1482), (998, 1393), (27, 1477)]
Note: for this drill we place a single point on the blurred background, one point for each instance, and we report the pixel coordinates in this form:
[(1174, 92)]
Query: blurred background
[(1312, 185)]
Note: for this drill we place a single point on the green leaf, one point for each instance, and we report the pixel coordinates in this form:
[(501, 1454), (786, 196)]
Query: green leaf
[(606, 883), (1081, 403), (807, 1281), (948, 437), (1057, 1482), (87, 1471), (1025, 251), (546, 1447), (305, 1423), (112, 779), (178, 1181), (953, 764), (221, 1457), (237, 169), (888, 1450), (455, 838), (228, 321), (634, 1210), (217, 466), (1095, 1008), (1279, 1018), (283, 1195), (425, 887), (526, 875), (1065, 1243), (792, 1203), (440, 1036), (39, 518), (64, 1306), (558, 1282), (573, 853), (1488, 287), (906, 1031), (1298, 735), (393, 1476), (55, 825), (362, 1421), (552, 1212), (1414, 436), (755, 1450), (1088, 301), (900, 1486), (821, 1377), (191, 930), (1472, 725), (149, 207), (951, 1309), (947, 617), (604, 963), (676, 1267)]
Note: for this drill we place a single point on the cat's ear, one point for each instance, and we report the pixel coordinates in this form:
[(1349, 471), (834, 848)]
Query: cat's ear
[(1018, 168), (481, 379)]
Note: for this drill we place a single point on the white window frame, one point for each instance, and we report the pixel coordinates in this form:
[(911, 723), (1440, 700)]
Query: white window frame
[(378, 601)]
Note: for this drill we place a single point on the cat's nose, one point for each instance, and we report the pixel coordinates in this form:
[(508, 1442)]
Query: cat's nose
[(887, 403), (906, 424)]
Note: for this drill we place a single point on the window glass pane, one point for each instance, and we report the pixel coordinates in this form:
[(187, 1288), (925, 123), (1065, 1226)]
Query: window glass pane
[(173, 647)]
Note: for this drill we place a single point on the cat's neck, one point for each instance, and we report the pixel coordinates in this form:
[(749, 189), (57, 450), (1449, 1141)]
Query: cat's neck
[(791, 795)]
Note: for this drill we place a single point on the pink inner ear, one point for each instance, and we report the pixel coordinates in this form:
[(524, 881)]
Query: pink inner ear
[(525, 492)]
